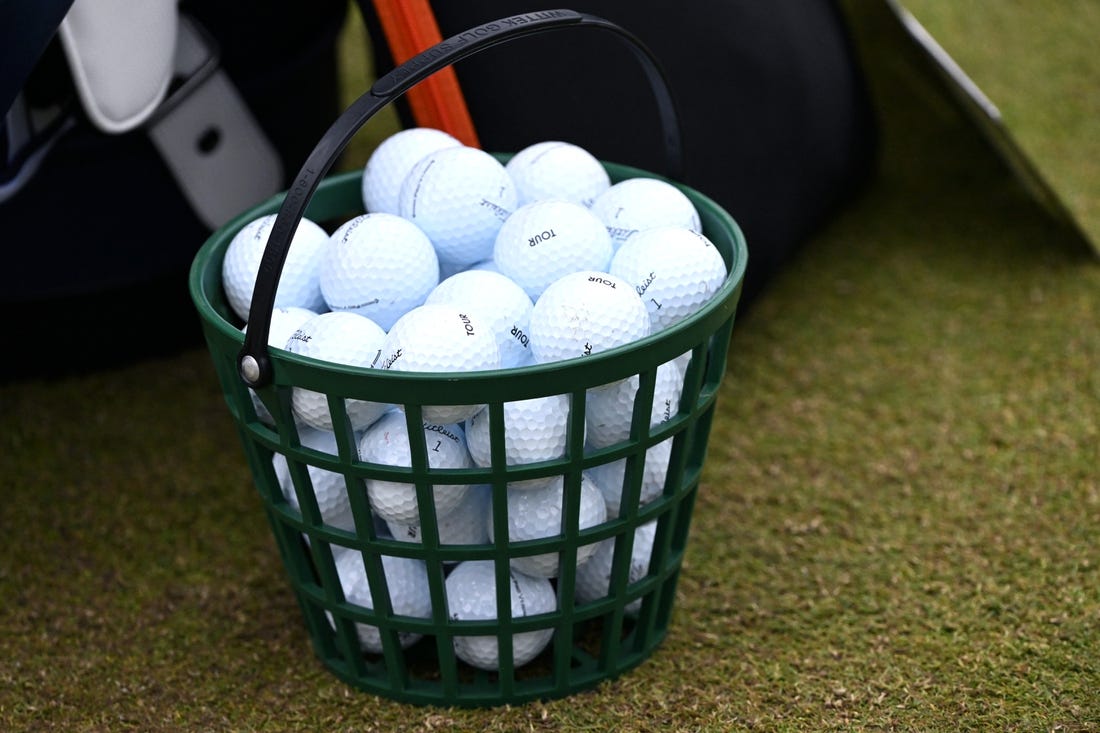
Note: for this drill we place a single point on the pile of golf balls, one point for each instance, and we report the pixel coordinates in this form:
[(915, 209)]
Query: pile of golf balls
[(461, 264)]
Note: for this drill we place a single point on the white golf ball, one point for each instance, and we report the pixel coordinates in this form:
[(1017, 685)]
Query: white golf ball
[(466, 524), (534, 430), (329, 487), (446, 269), (379, 266), (387, 443), (609, 477), (593, 580), (299, 282), (637, 204), (284, 322), (497, 298), (487, 265), (544, 240), (609, 409), (584, 313), (472, 596), (392, 160), (557, 170), (460, 197), (341, 338), (441, 338), (406, 583), (674, 270), (537, 514)]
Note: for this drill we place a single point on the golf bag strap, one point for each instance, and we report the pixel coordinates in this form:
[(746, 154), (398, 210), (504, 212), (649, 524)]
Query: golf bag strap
[(145, 67), (220, 157)]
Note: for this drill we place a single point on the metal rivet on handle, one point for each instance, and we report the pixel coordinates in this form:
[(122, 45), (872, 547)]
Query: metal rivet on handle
[(250, 369)]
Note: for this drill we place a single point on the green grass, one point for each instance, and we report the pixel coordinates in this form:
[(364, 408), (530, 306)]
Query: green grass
[(1040, 73), (897, 527)]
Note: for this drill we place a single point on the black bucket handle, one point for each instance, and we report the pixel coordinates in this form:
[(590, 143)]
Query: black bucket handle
[(253, 361)]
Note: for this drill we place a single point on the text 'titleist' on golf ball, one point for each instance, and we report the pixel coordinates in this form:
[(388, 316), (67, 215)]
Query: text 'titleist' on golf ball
[(406, 583), (545, 240), (498, 299), (557, 170), (340, 338), (460, 197), (392, 160), (537, 514), (594, 577), (284, 322), (609, 409), (584, 313), (610, 478), (637, 204), (674, 270), (534, 430), (466, 524), (387, 443), (379, 266), (472, 596), (300, 280), (329, 487), (441, 338)]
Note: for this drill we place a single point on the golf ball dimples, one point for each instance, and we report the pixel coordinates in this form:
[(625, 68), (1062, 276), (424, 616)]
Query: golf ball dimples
[(584, 313), (387, 443), (593, 580), (610, 408), (637, 204), (534, 430), (545, 240), (537, 514), (441, 338), (674, 270), (464, 525), (406, 583), (379, 266), (329, 487), (488, 265), (284, 322), (299, 281), (472, 596), (392, 160), (460, 197), (557, 170), (341, 338), (497, 298), (609, 477)]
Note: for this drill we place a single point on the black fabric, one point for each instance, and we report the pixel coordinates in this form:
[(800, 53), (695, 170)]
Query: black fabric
[(103, 210), (26, 28), (98, 244), (777, 126)]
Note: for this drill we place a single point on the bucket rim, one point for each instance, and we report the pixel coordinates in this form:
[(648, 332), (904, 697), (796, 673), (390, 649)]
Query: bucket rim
[(296, 369)]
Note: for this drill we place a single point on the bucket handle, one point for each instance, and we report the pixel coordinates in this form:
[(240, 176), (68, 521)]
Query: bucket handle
[(253, 361)]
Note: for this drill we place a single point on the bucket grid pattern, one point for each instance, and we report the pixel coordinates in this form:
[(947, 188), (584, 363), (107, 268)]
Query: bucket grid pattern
[(592, 641)]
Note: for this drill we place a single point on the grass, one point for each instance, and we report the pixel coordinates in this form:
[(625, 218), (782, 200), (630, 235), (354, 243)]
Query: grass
[(1030, 67), (896, 528)]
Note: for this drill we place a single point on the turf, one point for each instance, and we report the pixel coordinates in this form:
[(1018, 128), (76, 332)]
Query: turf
[(1031, 67), (896, 528)]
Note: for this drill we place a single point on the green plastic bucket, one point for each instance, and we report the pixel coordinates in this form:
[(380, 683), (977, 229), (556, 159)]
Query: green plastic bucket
[(591, 641)]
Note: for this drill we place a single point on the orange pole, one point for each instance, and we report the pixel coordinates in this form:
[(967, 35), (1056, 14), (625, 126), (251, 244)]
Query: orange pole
[(410, 27)]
